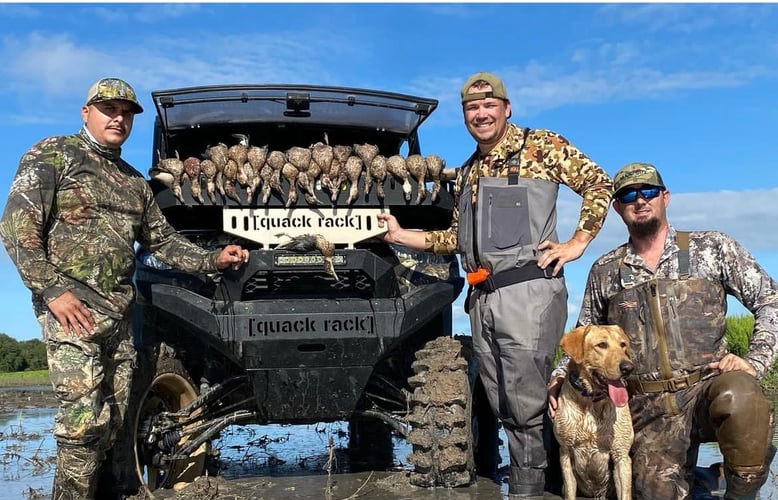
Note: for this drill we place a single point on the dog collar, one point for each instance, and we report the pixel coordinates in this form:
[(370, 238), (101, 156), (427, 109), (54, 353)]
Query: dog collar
[(575, 381)]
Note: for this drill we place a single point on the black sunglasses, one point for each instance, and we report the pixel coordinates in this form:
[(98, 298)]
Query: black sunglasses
[(630, 195)]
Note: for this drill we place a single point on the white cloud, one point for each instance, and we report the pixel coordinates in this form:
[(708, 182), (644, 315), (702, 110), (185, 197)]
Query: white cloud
[(49, 64), (109, 14), (163, 12), (18, 11), (686, 18)]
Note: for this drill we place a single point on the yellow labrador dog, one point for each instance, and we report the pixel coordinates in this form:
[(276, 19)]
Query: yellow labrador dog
[(593, 424)]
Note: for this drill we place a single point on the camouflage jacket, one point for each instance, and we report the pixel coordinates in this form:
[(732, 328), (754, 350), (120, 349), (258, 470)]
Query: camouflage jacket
[(547, 156), (73, 215), (712, 255)]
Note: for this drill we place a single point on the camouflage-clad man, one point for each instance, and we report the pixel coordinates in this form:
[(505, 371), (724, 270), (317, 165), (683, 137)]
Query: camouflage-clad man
[(504, 228), (73, 215), (668, 289)]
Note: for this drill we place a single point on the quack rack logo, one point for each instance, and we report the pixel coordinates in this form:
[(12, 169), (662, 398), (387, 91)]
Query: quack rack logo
[(363, 324), (272, 226)]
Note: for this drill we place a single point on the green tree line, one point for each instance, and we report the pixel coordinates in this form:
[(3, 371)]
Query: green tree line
[(16, 356)]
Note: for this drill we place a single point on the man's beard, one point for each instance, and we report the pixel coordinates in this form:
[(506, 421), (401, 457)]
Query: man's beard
[(644, 229)]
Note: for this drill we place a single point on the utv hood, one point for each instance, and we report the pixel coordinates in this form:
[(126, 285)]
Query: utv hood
[(195, 107)]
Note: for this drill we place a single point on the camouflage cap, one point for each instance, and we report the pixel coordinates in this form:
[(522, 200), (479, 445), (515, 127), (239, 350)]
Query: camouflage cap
[(637, 173), (107, 89), (498, 88)]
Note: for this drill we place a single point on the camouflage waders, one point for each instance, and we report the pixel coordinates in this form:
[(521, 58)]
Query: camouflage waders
[(669, 426), (91, 379)]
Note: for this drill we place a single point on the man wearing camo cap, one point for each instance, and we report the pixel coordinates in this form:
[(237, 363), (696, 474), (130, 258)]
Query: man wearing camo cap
[(73, 215), (668, 290), (504, 229)]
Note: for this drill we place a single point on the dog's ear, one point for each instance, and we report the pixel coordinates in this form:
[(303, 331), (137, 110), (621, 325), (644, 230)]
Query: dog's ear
[(625, 337), (573, 343)]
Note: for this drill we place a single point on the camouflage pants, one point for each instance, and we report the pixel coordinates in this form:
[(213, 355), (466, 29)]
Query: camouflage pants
[(729, 409), (91, 378)]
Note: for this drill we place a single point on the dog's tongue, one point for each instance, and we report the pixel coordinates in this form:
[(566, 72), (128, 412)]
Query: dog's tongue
[(618, 393)]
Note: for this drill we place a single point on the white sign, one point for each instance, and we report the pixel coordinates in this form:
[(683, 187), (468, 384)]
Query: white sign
[(271, 226)]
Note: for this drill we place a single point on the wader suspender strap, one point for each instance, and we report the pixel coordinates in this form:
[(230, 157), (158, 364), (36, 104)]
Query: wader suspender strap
[(466, 168), (659, 328), (625, 273), (514, 162), (683, 254)]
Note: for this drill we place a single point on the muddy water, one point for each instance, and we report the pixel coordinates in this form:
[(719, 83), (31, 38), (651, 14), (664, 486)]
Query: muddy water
[(271, 462), (27, 453)]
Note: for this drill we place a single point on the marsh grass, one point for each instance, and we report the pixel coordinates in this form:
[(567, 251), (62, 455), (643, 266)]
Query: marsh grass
[(739, 330), (24, 379), (19, 455)]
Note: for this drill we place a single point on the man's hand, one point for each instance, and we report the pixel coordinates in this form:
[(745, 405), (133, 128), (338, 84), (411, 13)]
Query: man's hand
[(232, 255), (396, 234), (561, 253), (73, 315), (553, 395), (732, 362), (393, 227)]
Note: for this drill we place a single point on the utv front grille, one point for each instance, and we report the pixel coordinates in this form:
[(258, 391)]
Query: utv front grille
[(279, 284)]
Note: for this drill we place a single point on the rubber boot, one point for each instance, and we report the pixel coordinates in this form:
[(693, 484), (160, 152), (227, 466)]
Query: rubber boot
[(77, 472), (745, 419), (526, 484), (745, 483)]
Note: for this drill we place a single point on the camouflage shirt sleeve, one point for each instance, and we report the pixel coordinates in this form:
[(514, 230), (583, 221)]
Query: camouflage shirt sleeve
[(27, 211), (749, 283), (160, 238)]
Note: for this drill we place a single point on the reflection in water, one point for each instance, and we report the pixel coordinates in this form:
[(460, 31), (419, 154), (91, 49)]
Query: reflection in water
[(27, 452)]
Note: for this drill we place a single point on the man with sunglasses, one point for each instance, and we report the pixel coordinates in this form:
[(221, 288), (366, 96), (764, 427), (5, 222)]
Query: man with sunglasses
[(668, 290), (73, 215)]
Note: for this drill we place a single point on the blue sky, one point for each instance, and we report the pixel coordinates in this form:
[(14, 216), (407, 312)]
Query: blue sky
[(687, 87)]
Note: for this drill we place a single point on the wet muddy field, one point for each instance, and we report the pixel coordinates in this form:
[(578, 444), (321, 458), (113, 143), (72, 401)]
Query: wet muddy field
[(269, 462)]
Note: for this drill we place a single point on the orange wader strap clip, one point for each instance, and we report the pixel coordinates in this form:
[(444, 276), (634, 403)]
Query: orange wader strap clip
[(478, 276)]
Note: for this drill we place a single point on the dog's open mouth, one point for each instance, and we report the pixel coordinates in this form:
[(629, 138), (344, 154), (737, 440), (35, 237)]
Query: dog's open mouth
[(615, 389)]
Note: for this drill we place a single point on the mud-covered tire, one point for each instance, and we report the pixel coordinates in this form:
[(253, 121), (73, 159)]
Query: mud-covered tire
[(440, 416), (167, 388)]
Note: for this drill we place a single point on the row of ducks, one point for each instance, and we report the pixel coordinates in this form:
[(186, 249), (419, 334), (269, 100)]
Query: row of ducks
[(254, 168)]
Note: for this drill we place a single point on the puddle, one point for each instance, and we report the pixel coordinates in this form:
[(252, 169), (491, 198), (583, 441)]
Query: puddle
[(27, 453), (288, 456)]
